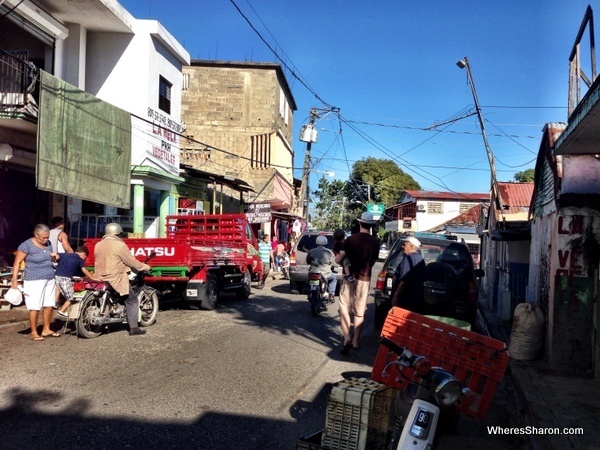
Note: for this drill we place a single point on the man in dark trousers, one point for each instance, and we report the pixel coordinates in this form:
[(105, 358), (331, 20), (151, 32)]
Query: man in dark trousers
[(407, 291), (362, 250)]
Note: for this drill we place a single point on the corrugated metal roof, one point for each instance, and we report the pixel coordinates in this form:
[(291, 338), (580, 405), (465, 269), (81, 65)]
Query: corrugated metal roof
[(515, 198), (459, 196)]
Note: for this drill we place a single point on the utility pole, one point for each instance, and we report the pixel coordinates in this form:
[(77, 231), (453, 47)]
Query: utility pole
[(490, 154), (308, 135)]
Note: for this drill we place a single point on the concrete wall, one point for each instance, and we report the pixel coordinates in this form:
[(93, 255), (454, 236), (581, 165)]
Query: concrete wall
[(223, 107)]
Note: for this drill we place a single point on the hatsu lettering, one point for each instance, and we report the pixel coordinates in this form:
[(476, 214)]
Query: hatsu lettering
[(147, 251)]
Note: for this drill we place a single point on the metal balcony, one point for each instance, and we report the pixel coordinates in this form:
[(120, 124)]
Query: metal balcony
[(18, 87)]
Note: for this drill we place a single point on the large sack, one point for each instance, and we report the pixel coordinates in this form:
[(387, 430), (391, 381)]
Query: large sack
[(527, 334)]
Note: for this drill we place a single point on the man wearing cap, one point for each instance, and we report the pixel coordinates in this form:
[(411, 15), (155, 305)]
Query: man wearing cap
[(362, 250), (409, 277)]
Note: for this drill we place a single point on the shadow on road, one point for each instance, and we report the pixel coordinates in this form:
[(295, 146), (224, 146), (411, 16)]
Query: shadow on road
[(25, 425)]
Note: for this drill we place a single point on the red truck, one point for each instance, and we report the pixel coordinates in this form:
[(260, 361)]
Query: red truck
[(202, 256)]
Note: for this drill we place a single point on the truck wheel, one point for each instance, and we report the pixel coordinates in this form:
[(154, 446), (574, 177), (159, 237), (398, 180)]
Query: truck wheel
[(212, 292), (244, 292), (148, 306), (90, 307)]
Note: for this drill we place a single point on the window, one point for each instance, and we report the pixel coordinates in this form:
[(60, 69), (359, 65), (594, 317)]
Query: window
[(164, 95), (464, 207), (435, 208)]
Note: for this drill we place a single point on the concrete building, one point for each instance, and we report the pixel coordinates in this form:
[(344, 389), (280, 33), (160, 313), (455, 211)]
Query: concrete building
[(424, 210), (239, 119), (88, 78), (505, 247)]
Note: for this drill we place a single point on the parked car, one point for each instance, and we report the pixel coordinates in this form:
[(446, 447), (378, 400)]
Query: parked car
[(450, 287), (298, 266)]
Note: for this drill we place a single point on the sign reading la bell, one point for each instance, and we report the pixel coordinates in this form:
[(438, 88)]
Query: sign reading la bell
[(376, 209)]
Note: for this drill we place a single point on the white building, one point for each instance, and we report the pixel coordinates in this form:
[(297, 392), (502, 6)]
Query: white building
[(109, 59)]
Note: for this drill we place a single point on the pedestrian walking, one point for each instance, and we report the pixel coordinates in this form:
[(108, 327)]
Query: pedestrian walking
[(362, 250), (265, 251)]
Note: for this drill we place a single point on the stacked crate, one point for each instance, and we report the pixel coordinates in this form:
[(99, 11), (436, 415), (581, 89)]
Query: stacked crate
[(358, 415)]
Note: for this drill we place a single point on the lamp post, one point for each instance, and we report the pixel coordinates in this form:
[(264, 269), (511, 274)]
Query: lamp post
[(464, 63)]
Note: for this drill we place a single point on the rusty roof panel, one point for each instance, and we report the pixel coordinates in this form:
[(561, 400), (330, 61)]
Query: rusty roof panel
[(515, 194), (456, 196)]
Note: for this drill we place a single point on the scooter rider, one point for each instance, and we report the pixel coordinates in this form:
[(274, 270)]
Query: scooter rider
[(113, 263), (321, 260)]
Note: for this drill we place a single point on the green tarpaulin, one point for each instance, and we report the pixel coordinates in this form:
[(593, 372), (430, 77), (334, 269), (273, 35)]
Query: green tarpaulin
[(84, 145)]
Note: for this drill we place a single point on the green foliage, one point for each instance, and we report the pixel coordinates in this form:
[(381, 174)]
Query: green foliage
[(378, 181), (525, 176), (371, 180), (331, 209)]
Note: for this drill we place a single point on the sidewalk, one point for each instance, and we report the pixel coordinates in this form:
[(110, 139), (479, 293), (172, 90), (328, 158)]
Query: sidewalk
[(550, 401)]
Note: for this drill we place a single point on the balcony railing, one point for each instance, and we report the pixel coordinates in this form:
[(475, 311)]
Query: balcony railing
[(18, 85)]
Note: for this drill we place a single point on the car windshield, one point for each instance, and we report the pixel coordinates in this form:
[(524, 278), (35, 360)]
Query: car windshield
[(309, 241)]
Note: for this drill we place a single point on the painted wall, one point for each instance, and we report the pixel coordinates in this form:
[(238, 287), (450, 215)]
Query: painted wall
[(574, 266)]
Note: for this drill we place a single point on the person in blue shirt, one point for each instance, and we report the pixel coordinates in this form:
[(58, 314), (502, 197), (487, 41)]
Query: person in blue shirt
[(409, 276), (70, 265)]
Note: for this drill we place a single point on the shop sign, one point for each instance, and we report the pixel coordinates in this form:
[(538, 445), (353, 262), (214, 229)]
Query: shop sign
[(258, 212)]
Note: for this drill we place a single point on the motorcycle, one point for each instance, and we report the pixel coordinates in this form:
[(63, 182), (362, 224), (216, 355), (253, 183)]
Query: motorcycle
[(284, 265), (318, 293), (101, 305), (426, 403)]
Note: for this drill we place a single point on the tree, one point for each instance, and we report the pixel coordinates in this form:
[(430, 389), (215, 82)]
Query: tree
[(379, 181), (525, 176), (331, 211)]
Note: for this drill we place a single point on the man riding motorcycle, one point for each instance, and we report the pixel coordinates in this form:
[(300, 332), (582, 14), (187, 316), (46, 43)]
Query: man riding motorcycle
[(321, 260), (113, 264)]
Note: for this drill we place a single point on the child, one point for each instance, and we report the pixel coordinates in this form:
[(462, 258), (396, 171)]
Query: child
[(69, 265), (338, 239)]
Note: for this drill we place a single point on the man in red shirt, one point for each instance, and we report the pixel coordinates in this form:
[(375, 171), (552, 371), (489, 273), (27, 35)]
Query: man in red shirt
[(362, 250)]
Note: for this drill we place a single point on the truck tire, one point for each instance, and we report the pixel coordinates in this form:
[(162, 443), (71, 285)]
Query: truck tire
[(244, 292), (90, 307), (212, 292), (148, 299)]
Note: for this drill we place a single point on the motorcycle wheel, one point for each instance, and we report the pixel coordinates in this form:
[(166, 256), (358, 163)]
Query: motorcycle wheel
[(315, 300), (90, 307), (148, 299)]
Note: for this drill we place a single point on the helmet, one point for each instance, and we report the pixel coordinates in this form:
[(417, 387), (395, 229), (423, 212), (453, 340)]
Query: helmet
[(113, 228), (321, 240)]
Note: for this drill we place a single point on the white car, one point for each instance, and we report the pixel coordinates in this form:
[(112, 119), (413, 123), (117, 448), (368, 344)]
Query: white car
[(383, 253)]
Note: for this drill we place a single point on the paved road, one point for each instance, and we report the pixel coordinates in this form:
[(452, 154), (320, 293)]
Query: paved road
[(252, 374)]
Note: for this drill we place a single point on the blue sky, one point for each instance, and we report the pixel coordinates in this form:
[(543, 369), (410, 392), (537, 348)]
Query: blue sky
[(390, 67)]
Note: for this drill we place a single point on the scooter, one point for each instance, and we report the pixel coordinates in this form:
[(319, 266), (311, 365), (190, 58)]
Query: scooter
[(318, 293), (426, 403)]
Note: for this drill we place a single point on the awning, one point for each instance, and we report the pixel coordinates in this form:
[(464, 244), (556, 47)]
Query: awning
[(84, 145)]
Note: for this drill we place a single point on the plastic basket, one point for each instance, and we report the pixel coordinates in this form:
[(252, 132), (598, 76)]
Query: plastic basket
[(312, 442), (358, 415), (477, 361)]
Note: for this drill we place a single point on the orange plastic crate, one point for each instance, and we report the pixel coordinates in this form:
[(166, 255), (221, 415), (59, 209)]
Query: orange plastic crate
[(477, 361)]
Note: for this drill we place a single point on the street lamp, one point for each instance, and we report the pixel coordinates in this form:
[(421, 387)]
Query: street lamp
[(464, 63)]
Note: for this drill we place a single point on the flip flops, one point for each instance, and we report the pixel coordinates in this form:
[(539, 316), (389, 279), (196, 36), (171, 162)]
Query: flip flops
[(36, 338), (53, 334)]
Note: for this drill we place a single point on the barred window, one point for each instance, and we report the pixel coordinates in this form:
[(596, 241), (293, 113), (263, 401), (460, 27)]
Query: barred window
[(164, 95), (464, 207), (435, 208)]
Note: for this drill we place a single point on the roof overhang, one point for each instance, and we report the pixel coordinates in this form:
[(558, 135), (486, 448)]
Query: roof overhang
[(582, 135)]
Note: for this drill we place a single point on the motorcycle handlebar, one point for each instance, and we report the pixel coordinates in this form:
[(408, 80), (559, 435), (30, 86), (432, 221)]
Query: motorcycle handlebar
[(391, 345)]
